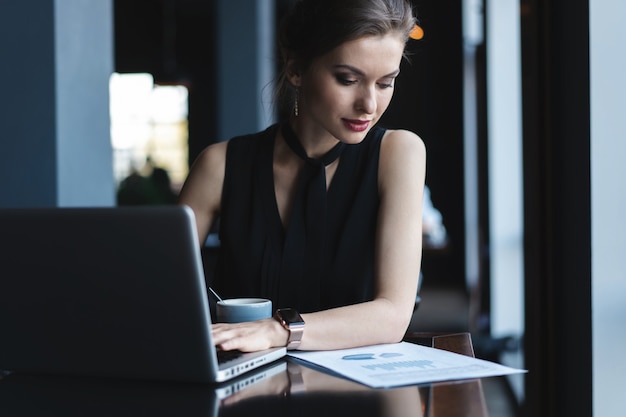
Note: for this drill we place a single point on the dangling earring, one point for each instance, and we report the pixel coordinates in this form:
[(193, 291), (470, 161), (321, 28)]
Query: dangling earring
[(295, 105)]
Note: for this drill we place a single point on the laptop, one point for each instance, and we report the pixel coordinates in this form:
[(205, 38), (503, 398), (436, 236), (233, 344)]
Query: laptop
[(115, 292)]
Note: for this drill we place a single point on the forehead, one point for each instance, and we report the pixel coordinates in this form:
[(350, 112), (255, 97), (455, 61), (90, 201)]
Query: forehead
[(373, 55)]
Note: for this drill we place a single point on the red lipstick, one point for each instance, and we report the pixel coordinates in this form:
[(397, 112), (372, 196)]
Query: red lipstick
[(356, 125)]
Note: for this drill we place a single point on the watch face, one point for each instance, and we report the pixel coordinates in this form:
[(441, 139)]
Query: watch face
[(291, 316)]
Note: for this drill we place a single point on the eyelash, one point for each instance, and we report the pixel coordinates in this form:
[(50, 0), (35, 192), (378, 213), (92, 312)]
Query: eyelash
[(347, 82)]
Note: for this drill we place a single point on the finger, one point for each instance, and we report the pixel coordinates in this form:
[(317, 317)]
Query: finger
[(231, 337), (221, 334)]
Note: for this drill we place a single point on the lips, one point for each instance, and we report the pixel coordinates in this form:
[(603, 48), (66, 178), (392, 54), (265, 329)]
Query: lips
[(356, 125)]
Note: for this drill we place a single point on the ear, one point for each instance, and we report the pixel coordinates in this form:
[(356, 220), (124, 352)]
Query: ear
[(293, 73)]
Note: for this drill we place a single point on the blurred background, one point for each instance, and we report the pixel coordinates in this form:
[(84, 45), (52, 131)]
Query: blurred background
[(518, 103)]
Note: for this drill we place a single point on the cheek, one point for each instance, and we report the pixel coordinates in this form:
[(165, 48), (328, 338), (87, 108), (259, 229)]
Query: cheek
[(324, 96), (384, 99)]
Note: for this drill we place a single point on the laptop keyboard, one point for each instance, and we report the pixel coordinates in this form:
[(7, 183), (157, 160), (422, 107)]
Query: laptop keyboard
[(224, 356)]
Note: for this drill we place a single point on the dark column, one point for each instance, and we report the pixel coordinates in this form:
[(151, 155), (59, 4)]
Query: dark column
[(557, 221), (56, 61), (245, 59)]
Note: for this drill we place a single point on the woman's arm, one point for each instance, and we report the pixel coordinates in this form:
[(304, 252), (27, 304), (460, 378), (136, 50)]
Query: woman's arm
[(202, 190), (398, 258)]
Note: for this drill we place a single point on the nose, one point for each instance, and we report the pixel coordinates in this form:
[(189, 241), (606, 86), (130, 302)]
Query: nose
[(366, 101)]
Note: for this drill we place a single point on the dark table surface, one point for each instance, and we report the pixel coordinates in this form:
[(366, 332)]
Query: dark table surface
[(287, 388)]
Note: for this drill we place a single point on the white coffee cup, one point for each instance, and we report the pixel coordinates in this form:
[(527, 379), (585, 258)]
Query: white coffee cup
[(237, 310)]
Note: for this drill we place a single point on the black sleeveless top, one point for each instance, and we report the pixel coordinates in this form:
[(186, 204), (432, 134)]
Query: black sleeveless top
[(254, 260)]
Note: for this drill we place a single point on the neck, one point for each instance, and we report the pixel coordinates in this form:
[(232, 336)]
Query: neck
[(316, 142), (294, 143)]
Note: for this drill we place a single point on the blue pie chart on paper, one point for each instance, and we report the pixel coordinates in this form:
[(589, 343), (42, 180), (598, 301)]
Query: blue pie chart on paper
[(368, 356), (358, 357)]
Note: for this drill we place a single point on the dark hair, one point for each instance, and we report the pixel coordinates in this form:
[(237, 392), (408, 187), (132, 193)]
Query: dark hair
[(312, 28)]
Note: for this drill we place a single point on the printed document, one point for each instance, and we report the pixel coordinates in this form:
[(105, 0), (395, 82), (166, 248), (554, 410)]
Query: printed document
[(404, 363)]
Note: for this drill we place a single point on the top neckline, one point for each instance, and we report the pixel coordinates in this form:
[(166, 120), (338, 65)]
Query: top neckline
[(295, 145)]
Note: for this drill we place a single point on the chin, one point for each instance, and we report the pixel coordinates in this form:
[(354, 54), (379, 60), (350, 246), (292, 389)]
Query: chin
[(352, 138)]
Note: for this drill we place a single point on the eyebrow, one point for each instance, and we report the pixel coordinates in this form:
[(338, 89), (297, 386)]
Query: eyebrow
[(361, 73)]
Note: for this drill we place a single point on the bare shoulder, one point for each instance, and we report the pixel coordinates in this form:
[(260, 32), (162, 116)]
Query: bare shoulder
[(401, 141), (204, 183), (401, 174), (401, 151), (212, 158)]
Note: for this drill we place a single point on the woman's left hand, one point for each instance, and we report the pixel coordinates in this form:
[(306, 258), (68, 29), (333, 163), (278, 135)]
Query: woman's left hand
[(249, 336)]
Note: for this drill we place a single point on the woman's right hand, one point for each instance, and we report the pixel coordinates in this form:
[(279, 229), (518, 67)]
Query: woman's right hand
[(250, 336)]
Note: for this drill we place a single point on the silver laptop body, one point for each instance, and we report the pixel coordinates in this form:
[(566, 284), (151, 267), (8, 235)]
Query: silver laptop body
[(117, 292)]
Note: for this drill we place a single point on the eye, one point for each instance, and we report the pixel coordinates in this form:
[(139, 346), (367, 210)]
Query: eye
[(387, 83), (344, 79)]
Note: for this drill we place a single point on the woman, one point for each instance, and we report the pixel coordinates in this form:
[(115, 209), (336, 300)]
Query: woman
[(321, 212)]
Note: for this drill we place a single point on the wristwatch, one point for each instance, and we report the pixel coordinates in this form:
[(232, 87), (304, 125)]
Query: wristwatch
[(291, 320)]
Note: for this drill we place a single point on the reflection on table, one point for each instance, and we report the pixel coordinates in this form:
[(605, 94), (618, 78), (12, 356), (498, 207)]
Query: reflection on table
[(285, 388)]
